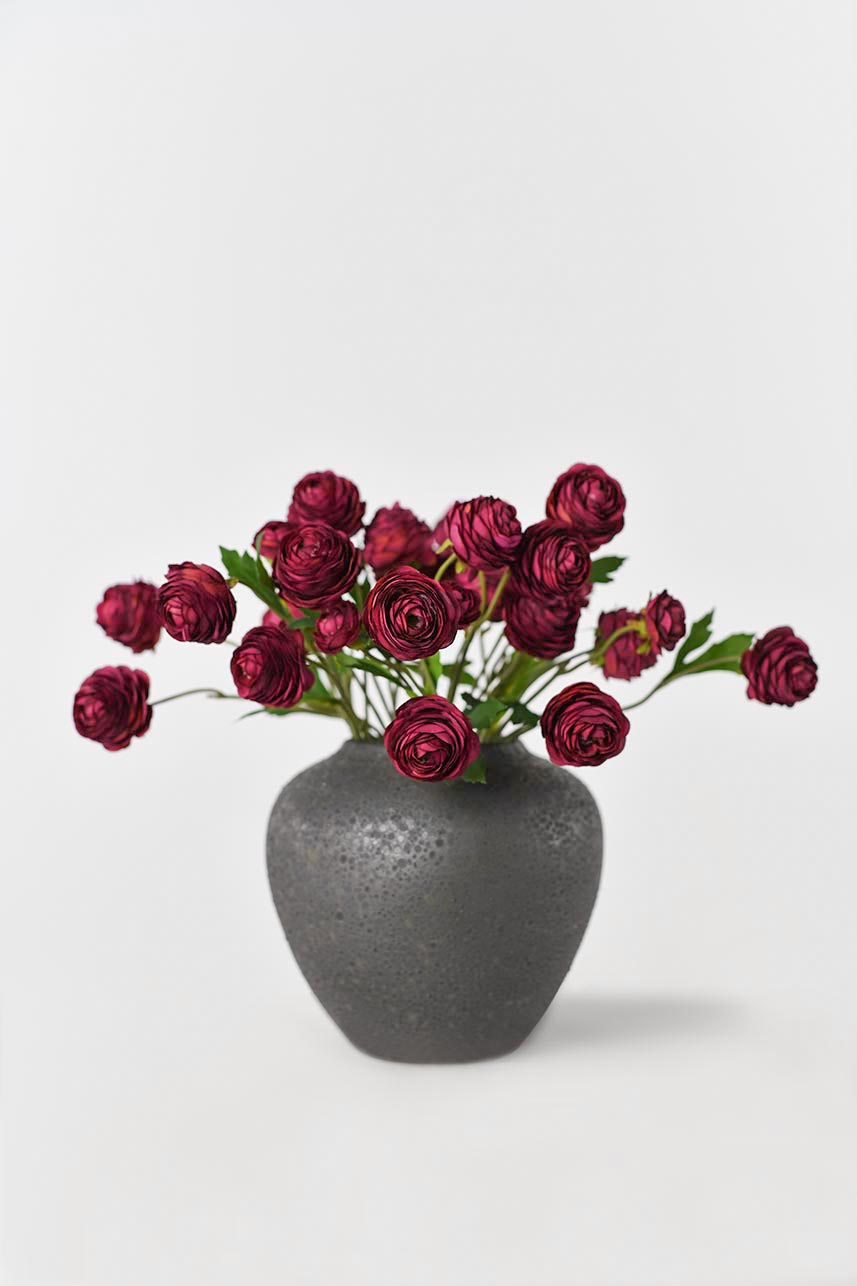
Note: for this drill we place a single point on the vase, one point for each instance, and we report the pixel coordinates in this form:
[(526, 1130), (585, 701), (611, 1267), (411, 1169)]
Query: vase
[(434, 921)]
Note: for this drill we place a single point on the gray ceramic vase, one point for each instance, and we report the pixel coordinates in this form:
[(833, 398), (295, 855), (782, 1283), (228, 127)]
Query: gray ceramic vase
[(434, 922)]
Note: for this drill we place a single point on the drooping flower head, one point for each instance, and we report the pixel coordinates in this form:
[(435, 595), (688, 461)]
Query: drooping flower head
[(630, 654), (779, 668), (129, 614), (112, 706), (665, 622)]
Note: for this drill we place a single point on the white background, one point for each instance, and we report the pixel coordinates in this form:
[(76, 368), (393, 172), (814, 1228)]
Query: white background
[(442, 248)]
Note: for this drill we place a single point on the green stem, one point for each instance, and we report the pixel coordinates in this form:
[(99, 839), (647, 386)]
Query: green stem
[(192, 692), (701, 668), (485, 615), (430, 686), (444, 565)]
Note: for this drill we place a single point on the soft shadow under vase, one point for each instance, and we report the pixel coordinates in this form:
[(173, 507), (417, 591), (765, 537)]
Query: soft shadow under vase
[(435, 923)]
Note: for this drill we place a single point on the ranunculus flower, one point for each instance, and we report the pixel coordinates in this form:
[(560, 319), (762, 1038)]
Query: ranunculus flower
[(396, 537), (589, 501), (543, 627), (112, 706), (779, 668), (129, 614), (326, 497), (631, 653), (665, 622), (431, 740), (485, 532), (409, 614), (268, 666), (196, 604), (467, 600), (315, 564), (552, 562), (273, 620), (337, 627), (582, 726), (269, 537)]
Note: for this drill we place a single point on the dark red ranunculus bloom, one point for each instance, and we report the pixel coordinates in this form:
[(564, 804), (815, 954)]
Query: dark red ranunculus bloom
[(272, 620), (396, 537), (779, 668), (268, 666), (326, 497), (269, 537), (582, 726), (129, 614), (337, 627), (543, 627), (665, 622), (631, 653), (196, 604), (467, 600), (409, 615), (315, 564), (552, 562), (431, 740), (485, 532), (589, 501), (112, 706)]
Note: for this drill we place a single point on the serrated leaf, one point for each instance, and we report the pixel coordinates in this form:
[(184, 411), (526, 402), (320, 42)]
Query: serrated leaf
[(483, 713), (700, 633), (725, 655), (251, 572), (522, 715), (603, 569), (476, 772)]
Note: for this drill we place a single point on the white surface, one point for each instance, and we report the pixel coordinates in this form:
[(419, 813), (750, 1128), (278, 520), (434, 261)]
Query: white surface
[(444, 249)]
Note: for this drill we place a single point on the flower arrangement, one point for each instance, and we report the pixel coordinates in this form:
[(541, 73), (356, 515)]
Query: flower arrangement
[(434, 641)]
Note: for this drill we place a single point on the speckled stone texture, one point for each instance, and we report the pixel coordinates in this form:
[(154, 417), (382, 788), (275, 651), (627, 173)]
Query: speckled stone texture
[(434, 922)]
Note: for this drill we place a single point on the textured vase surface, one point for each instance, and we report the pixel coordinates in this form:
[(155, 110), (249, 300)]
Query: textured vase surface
[(434, 922)]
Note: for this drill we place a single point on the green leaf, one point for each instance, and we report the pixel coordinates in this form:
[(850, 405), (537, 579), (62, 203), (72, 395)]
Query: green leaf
[(435, 667), (360, 592), (522, 715), (374, 667), (476, 772), (700, 633), (725, 655), (483, 713), (450, 669), (304, 622), (252, 572), (318, 692), (603, 569)]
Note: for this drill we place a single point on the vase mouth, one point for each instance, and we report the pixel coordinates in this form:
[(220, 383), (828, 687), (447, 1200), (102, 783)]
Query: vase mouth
[(515, 749)]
